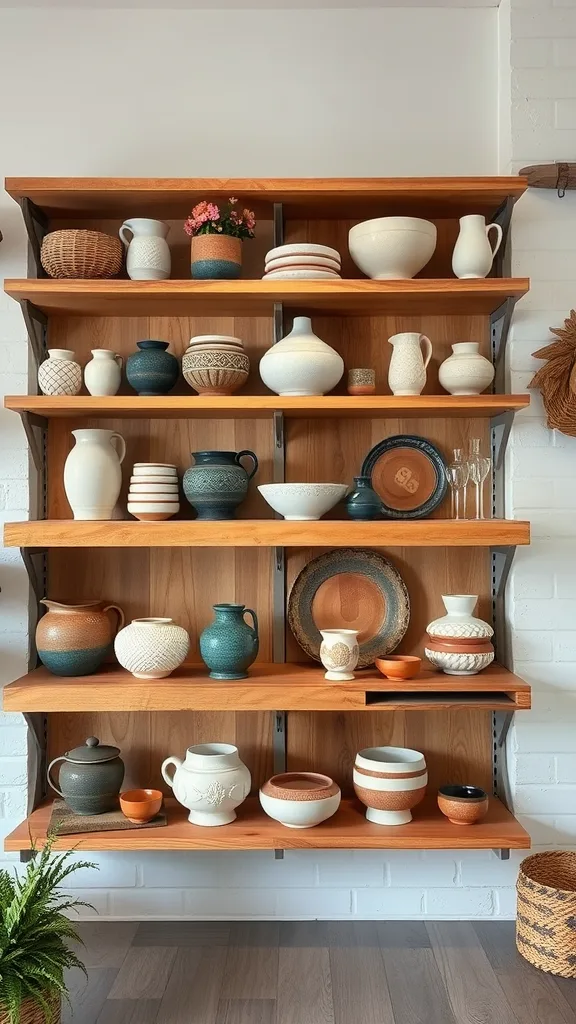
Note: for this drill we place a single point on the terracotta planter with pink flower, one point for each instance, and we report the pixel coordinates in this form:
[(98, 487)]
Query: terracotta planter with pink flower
[(217, 235)]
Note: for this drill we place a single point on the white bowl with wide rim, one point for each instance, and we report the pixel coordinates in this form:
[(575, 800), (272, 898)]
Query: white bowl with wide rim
[(392, 248), (303, 502)]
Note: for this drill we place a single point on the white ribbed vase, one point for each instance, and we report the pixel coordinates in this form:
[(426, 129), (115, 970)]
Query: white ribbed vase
[(151, 648)]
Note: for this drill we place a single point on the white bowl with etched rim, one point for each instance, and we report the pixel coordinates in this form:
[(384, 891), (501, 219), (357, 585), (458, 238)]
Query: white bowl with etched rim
[(300, 799), (392, 248), (302, 501)]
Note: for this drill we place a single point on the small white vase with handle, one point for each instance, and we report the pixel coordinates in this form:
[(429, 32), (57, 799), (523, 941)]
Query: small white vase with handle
[(60, 374), (465, 372), (473, 254), (103, 373), (211, 782), (148, 256), (92, 473), (407, 370)]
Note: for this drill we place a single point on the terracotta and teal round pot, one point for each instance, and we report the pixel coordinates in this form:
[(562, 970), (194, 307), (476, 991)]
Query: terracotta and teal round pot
[(363, 502), (217, 483), (216, 256), (90, 777), (152, 370), (229, 645), (74, 639)]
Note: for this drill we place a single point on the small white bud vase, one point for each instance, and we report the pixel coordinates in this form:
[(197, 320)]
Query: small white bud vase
[(151, 648), (473, 255), (103, 373), (339, 653), (60, 374), (301, 364), (211, 782), (466, 372)]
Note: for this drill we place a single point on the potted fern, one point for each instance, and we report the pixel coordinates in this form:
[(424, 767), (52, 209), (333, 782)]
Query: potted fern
[(34, 939)]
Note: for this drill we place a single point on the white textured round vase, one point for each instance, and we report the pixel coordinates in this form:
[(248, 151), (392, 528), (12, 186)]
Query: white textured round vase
[(92, 473), (390, 781), (459, 623), (301, 364), (151, 648), (103, 373), (339, 653), (211, 782), (60, 374), (392, 248), (466, 372)]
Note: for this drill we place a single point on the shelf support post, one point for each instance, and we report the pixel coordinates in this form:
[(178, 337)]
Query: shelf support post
[(36, 223), (500, 323), (37, 327), (29, 421), (503, 217)]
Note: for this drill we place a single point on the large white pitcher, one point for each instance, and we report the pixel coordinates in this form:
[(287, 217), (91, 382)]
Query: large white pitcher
[(92, 474), (473, 254), (148, 257), (407, 370)]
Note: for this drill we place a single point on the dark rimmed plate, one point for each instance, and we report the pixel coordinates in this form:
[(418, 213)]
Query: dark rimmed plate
[(408, 474), (354, 589)]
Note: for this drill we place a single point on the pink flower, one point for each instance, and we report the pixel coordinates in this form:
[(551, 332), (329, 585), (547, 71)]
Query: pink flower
[(213, 212), (232, 201)]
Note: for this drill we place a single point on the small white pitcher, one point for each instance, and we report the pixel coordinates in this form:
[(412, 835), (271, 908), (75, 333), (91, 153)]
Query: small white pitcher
[(473, 255), (407, 370), (92, 473), (103, 373), (148, 256)]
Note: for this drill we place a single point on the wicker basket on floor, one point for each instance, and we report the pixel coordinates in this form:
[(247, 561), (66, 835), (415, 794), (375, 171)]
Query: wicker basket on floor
[(546, 918), (81, 254), (31, 1013)]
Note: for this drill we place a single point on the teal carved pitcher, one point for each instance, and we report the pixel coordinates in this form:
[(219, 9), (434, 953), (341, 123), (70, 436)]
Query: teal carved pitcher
[(229, 645)]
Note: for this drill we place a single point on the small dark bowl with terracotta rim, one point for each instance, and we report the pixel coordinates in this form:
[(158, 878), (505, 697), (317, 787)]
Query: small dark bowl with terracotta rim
[(463, 805)]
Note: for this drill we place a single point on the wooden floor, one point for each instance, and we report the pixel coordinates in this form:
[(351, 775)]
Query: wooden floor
[(341, 972)]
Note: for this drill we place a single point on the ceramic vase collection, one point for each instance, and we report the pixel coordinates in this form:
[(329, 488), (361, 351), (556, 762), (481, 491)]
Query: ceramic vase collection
[(363, 503), (103, 373), (211, 782), (92, 474), (152, 370), (148, 254), (466, 372), (407, 371), (60, 374), (228, 645), (473, 255), (74, 639), (215, 256), (459, 643), (215, 364), (151, 648), (90, 777), (301, 364), (339, 653), (217, 482)]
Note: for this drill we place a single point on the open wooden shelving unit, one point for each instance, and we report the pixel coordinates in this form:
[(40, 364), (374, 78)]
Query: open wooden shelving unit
[(181, 567)]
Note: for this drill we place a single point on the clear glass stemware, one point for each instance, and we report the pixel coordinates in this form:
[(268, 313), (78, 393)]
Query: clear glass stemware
[(457, 476), (479, 467)]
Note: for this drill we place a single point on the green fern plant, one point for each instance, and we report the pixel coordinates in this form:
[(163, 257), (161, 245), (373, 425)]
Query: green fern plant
[(35, 933)]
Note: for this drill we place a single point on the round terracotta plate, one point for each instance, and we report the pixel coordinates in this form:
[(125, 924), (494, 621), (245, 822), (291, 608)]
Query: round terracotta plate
[(408, 474), (352, 589)]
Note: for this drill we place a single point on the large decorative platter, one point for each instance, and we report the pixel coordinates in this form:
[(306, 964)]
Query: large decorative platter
[(408, 474), (354, 589)]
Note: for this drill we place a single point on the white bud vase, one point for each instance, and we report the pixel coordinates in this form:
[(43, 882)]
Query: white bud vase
[(60, 374), (465, 372), (339, 653), (301, 364), (102, 375), (92, 473)]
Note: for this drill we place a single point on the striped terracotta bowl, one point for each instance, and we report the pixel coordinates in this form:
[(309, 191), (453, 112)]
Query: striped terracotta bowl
[(390, 781)]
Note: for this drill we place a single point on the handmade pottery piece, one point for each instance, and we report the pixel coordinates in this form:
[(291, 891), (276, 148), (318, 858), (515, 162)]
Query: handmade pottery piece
[(390, 781), (103, 373), (363, 503), (303, 261), (154, 498), (152, 370), (459, 622), (463, 805), (350, 589), (300, 799), (215, 256), (211, 782), (407, 370), (148, 254), (459, 643), (92, 474), (361, 381), (153, 511), (140, 805), (409, 475), (229, 645), (392, 247), (151, 648), (299, 249), (60, 374), (154, 469), (74, 639), (473, 255), (215, 364), (301, 364), (465, 372), (90, 777), (302, 501), (339, 653), (399, 666), (302, 274), (217, 482)]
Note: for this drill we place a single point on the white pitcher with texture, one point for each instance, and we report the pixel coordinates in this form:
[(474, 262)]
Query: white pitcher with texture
[(148, 256), (473, 255), (407, 370), (103, 373), (92, 474)]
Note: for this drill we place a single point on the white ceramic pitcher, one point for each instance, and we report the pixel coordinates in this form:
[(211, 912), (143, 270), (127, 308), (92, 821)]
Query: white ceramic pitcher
[(92, 474), (103, 373), (407, 370), (473, 254), (211, 782), (148, 256)]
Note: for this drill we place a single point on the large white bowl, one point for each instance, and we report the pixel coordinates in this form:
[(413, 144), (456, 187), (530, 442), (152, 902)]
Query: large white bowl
[(302, 501), (392, 248)]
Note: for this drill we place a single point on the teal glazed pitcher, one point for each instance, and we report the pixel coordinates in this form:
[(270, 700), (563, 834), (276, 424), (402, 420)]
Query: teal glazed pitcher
[(217, 483), (229, 645)]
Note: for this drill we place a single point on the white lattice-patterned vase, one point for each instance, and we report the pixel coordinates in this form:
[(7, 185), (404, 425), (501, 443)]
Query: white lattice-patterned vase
[(211, 782), (459, 643), (60, 374), (339, 653), (151, 648)]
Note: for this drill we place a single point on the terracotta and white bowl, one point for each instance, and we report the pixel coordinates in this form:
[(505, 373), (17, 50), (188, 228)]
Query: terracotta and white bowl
[(215, 364), (300, 799), (153, 511), (463, 805), (302, 501), (392, 248), (390, 781)]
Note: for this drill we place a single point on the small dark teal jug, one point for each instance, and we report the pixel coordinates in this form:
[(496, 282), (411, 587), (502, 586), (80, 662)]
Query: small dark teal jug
[(152, 370), (217, 483), (363, 502), (229, 645)]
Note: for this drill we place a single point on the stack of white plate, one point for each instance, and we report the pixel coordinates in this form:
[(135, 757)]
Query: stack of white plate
[(153, 494), (302, 261)]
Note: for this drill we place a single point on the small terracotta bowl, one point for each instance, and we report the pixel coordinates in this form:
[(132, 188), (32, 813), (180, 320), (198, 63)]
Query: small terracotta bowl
[(399, 666), (463, 805), (140, 805)]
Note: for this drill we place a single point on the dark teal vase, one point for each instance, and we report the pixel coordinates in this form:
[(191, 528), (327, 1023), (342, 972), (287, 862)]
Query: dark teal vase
[(363, 502), (217, 483), (152, 370), (229, 645)]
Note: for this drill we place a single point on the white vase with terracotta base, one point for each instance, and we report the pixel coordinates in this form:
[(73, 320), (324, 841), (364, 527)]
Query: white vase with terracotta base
[(390, 781)]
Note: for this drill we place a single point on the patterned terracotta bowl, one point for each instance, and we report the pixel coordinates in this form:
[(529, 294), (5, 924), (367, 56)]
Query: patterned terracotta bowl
[(140, 805), (463, 805), (390, 781), (300, 799)]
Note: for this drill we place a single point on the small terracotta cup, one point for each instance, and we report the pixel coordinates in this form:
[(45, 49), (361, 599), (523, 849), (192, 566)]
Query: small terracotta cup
[(463, 805), (361, 381), (399, 666), (140, 805)]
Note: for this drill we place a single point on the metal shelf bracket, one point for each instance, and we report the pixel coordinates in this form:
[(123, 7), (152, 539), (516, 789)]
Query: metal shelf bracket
[(37, 327), (500, 426), (36, 223), (29, 421)]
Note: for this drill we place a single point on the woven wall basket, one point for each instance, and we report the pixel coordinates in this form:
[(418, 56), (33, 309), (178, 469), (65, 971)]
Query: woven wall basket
[(31, 1013), (79, 253), (546, 919)]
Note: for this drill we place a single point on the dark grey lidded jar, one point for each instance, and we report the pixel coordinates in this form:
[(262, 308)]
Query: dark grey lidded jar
[(90, 777)]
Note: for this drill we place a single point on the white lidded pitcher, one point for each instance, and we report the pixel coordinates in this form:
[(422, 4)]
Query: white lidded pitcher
[(92, 474), (473, 255), (103, 373), (148, 256), (211, 782), (407, 370)]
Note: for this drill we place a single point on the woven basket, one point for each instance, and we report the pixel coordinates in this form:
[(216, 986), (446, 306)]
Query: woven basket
[(546, 919), (79, 253), (31, 1013)]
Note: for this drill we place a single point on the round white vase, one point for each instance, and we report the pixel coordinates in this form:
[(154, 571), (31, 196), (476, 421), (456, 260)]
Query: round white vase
[(466, 372), (151, 648), (103, 373), (60, 374), (92, 473), (339, 653), (301, 364), (211, 782)]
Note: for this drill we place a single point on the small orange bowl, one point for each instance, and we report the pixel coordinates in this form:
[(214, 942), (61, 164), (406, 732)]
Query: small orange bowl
[(140, 805), (399, 666)]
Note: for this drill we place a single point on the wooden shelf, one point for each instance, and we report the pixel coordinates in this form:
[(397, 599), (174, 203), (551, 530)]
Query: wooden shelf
[(253, 830), (263, 406), (286, 687), (247, 533), (257, 298), (351, 198)]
